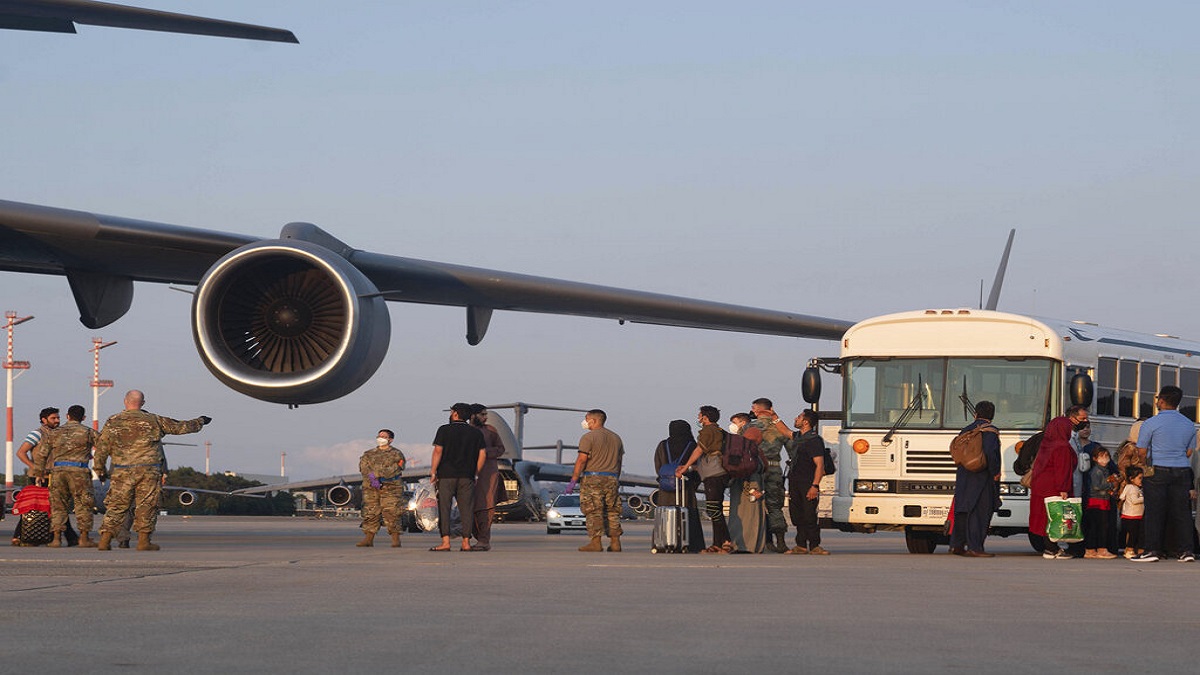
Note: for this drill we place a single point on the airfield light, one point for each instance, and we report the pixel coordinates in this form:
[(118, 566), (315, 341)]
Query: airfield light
[(861, 446), (97, 383), (9, 366)]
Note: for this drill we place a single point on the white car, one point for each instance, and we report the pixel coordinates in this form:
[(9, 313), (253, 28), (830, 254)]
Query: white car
[(565, 514)]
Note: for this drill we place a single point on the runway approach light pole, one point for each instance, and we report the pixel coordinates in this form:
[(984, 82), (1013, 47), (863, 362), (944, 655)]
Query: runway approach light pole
[(9, 366), (97, 383)]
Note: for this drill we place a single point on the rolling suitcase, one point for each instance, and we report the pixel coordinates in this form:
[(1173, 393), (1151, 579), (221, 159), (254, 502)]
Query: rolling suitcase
[(670, 533)]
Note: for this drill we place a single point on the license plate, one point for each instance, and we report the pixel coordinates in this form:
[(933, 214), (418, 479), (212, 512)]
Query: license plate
[(938, 512)]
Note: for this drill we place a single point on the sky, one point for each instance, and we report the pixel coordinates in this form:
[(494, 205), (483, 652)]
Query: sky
[(843, 160)]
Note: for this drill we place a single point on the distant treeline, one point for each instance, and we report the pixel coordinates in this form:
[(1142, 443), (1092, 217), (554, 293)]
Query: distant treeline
[(218, 505)]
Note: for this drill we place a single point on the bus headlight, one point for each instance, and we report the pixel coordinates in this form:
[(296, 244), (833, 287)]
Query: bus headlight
[(1014, 490), (872, 486)]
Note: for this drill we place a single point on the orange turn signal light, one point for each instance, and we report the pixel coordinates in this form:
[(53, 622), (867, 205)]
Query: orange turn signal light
[(861, 446)]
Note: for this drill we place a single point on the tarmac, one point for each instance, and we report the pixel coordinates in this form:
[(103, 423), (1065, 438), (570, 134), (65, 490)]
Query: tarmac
[(242, 594)]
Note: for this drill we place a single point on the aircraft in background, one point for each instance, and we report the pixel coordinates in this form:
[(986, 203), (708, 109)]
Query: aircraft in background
[(302, 318), (60, 16), (520, 498)]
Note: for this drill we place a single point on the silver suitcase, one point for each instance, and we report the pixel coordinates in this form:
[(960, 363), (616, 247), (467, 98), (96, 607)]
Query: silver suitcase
[(670, 533)]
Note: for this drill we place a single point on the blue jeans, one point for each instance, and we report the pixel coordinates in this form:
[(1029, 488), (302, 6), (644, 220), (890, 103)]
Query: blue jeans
[(1167, 500)]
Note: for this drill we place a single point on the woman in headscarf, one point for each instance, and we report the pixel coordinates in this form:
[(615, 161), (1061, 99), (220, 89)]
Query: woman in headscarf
[(1053, 470), (675, 450)]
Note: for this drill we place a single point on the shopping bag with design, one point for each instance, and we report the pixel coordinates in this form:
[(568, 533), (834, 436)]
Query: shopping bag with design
[(1066, 516)]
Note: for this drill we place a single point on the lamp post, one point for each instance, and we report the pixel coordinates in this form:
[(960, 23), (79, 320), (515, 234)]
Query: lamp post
[(9, 366), (97, 383)]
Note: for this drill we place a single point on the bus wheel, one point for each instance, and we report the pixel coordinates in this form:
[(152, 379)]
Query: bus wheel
[(1037, 541), (919, 541)]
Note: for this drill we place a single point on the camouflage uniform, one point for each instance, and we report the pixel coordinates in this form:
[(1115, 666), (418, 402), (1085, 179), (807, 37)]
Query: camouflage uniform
[(66, 457), (134, 440), (772, 476), (601, 504), (386, 501)]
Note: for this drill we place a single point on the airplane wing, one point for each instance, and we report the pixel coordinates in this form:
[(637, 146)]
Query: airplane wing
[(350, 479), (302, 319), (562, 473), (223, 493), (60, 16)]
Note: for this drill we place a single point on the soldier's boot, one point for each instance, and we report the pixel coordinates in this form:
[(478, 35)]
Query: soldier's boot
[(593, 545), (56, 542), (144, 542), (614, 544), (105, 541), (780, 545), (367, 540), (395, 540), (85, 540)]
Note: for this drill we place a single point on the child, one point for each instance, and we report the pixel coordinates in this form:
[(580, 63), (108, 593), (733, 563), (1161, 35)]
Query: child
[(1096, 523), (1132, 509)]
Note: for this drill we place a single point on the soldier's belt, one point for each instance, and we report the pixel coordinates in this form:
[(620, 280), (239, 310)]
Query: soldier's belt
[(391, 480), (771, 462), (602, 473), (135, 466), (81, 465)]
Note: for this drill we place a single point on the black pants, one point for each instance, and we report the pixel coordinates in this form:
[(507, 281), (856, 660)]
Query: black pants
[(1095, 528), (803, 512), (462, 489), (1131, 533), (714, 498), (971, 528), (1167, 499)]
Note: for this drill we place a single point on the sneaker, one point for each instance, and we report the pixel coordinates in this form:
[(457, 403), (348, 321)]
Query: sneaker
[(1187, 557), (1145, 556), (1063, 555), (1051, 555)]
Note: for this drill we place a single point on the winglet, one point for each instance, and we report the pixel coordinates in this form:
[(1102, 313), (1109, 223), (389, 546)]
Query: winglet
[(994, 297)]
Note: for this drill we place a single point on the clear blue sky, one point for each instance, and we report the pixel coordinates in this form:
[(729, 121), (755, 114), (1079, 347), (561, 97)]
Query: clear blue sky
[(838, 159)]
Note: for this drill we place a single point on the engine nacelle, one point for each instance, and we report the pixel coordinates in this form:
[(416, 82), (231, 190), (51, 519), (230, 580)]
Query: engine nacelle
[(341, 495), (187, 498), (289, 321)]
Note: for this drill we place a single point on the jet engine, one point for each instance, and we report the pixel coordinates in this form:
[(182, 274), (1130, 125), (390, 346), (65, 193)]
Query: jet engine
[(187, 498), (289, 321), (341, 495)]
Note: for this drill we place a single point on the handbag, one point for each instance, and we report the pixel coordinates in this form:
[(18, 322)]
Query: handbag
[(710, 465), (1065, 519)]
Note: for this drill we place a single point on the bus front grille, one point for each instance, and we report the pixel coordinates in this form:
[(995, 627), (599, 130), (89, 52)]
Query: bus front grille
[(935, 462)]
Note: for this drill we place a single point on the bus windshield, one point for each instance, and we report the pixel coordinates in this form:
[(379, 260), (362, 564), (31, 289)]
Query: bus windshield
[(878, 390)]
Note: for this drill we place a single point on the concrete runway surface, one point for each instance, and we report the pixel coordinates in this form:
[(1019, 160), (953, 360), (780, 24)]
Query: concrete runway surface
[(272, 594)]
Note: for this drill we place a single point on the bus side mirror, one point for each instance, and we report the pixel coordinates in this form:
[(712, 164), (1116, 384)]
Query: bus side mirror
[(1081, 390), (810, 385)]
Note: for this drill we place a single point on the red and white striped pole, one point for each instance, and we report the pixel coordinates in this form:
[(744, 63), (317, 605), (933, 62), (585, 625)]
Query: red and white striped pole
[(9, 366), (97, 383)]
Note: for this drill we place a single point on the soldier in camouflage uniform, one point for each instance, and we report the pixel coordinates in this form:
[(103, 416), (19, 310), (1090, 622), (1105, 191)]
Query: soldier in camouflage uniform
[(133, 437), (598, 472), (382, 489), (775, 434), (66, 460)]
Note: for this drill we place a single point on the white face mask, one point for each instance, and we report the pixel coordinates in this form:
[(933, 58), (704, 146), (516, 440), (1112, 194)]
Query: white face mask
[(584, 424), (383, 441), (734, 428)]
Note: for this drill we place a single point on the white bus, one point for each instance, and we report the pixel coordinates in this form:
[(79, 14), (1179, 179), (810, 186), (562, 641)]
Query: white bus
[(909, 382)]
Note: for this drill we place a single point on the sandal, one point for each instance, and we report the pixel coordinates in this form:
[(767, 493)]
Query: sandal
[(712, 549)]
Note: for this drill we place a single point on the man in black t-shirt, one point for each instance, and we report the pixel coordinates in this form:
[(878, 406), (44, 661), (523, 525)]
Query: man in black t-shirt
[(458, 455), (806, 451)]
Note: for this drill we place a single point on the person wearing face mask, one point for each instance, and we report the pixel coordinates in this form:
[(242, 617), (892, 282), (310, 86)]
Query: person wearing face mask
[(382, 469), (1081, 429), (738, 421), (706, 458), (597, 471)]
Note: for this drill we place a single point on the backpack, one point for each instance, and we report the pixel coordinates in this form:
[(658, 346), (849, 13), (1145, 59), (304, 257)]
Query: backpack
[(830, 467), (666, 473), (1029, 450), (967, 448), (740, 456)]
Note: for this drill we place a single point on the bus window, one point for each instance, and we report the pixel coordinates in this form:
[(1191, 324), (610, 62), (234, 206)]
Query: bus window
[(1147, 389), (1189, 382), (879, 391), (1126, 387), (1167, 375), (1106, 387)]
